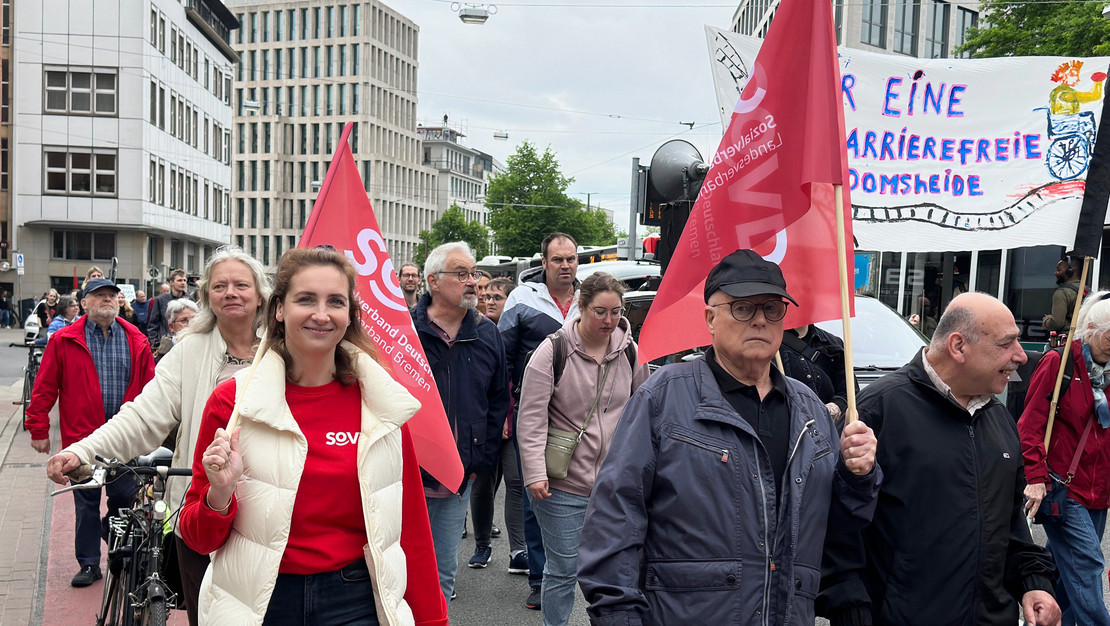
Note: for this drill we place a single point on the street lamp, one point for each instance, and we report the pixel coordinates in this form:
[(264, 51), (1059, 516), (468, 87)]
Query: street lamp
[(473, 13)]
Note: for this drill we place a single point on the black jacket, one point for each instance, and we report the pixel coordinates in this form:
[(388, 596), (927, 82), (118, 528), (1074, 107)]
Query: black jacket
[(818, 361), (949, 542), (473, 385)]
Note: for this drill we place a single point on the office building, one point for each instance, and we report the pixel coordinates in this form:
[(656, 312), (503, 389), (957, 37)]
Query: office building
[(122, 124), (308, 67)]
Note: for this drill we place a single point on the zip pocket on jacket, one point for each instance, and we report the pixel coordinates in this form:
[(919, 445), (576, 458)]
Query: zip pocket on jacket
[(723, 452)]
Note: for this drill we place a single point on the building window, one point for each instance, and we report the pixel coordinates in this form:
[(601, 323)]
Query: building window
[(906, 17), (5, 91), (965, 19), (7, 22), (936, 45), (4, 154), (73, 245), (80, 173), (76, 92), (873, 31)]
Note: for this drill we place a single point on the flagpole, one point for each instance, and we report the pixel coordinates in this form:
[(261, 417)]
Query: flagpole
[(850, 414), (1065, 354)]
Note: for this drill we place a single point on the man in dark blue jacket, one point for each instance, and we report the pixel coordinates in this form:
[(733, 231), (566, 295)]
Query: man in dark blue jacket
[(712, 504), (467, 358)]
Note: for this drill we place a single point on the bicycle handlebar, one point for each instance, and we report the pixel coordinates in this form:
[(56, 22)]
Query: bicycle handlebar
[(99, 472)]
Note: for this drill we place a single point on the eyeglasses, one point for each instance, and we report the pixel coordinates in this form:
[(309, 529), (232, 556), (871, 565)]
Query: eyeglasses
[(496, 297), (744, 310), (410, 275), (601, 313), (475, 275)]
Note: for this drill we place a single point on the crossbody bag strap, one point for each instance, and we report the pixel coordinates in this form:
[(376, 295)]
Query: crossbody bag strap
[(597, 398), (1079, 450)]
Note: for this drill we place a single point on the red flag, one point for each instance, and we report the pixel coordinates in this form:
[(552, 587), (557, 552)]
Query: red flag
[(770, 186), (342, 217)]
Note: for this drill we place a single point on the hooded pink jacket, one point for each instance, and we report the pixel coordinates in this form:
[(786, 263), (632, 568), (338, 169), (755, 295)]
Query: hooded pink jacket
[(565, 407)]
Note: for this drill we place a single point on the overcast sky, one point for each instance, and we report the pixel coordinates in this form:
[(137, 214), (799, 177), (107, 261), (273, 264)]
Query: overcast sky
[(599, 84)]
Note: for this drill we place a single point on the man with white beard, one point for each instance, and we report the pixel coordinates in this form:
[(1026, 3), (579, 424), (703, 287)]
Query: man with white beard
[(467, 359)]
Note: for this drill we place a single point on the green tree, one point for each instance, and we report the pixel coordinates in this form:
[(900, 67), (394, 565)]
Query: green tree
[(529, 201), (452, 226), (1039, 28)]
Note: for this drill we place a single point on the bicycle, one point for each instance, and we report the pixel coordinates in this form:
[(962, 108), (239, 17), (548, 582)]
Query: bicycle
[(135, 593), (30, 372)]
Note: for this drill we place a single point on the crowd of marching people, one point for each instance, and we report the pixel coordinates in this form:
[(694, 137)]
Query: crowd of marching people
[(724, 488)]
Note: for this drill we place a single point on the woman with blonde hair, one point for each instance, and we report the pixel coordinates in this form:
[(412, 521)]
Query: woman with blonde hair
[(219, 341), (303, 528)]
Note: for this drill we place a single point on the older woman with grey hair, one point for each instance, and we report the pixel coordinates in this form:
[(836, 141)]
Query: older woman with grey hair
[(179, 314), (219, 341), (1070, 480)]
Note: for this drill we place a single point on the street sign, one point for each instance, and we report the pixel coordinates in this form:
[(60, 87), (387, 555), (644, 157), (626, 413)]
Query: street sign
[(19, 263)]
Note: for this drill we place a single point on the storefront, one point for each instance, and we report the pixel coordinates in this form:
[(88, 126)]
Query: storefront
[(924, 283)]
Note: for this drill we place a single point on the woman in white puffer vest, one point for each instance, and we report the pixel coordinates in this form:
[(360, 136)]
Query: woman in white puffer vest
[(302, 505)]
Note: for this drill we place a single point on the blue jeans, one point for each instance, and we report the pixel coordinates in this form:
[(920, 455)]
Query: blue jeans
[(560, 517), (90, 527), (1076, 544), (533, 537), (345, 596), (448, 517)]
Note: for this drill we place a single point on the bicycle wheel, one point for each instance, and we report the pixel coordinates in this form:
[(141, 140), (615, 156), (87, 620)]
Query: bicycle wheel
[(111, 606), (28, 384), (155, 613)]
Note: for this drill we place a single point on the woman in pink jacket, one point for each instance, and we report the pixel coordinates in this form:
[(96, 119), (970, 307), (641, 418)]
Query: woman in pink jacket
[(577, 382)]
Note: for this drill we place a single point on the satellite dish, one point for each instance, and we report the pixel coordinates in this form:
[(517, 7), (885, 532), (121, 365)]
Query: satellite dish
[(5, 266), (677, 171), (153, 273)]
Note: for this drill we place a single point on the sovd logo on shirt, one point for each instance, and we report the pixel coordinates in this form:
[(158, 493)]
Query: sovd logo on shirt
[(342, 438)]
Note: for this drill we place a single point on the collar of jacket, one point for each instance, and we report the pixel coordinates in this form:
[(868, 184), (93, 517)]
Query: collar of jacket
[(915, 370), (623, 331), (76, 332), (468, 330), (387, 401), (719, 409)]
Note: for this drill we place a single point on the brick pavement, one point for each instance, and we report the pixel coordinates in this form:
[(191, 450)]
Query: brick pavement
[(24, 513)]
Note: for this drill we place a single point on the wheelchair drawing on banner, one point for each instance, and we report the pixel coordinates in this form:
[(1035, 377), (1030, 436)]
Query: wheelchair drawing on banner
[(1072, 138), (1071, 132)]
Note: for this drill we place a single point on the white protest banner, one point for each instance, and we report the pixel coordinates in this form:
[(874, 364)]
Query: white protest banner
[(955, 154)]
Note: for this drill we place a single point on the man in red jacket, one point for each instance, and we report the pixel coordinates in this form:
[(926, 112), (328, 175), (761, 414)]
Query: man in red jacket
[(92, 367)]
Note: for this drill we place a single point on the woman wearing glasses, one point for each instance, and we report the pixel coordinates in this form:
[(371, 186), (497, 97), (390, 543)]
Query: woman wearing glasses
[(574, 389)]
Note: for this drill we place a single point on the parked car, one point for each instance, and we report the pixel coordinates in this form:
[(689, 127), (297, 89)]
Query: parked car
[(637, 275), (882, 340)]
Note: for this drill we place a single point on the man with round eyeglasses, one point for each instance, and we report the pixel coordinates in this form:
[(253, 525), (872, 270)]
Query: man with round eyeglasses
[(723, 476), (467, 359)]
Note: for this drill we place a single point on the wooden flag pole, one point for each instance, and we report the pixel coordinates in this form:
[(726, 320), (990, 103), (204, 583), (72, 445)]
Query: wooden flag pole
[(1066, 353), (850, 414)]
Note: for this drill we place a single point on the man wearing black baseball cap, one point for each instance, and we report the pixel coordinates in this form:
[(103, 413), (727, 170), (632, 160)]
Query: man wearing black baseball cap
[(712, 504), (120, 362)]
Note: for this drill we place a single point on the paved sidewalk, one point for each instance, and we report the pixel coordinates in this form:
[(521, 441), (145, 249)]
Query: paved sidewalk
[(25, 510)]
